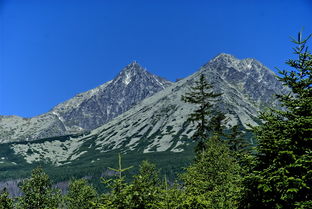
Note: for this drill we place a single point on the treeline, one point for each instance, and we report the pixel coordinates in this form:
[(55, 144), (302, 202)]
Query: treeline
[(226, 172)]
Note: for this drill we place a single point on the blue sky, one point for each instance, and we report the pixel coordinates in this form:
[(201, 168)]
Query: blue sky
[(53, 49)]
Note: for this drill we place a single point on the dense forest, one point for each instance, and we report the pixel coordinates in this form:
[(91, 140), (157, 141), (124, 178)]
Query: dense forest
[(226, 172)]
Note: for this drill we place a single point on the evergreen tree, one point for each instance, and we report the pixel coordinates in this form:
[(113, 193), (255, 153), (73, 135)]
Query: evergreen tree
[(38, 192), (236, 141), (201, 94), (282, 176), (214, 180), (145, 187), (240, 148), (5, 201), (216, 123), (119, 195), (80, 195), (171, 196)]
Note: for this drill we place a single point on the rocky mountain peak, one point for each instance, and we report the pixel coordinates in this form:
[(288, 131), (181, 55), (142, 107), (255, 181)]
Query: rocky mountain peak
[(249, 76), (230, 61), (223, 57), (134, 66), (128, 73)]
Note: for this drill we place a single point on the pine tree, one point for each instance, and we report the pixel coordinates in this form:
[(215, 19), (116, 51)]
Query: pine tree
[(119, 195), (214, 180), (282, 176), (216, 123), (238, 144), (38, 192), (5, 201), (145, 187), (201, 94), (80, 195)]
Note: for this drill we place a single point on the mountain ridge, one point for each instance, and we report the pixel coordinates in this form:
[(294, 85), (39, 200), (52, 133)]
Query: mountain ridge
[(155, 129), (86, 110), (159, 123)]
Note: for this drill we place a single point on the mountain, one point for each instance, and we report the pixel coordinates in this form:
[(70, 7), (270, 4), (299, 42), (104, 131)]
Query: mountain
[(88, 110), (158, 124), (155, 129)]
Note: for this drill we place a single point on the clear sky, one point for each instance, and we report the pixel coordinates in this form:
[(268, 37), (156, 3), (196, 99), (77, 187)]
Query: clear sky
[(50, 50)]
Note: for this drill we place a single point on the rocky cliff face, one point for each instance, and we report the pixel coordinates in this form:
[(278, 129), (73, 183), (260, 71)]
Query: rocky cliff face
[(100, 105), (249, 76), (88, 110)]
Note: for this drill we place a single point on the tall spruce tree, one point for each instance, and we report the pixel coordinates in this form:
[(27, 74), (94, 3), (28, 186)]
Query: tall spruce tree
[(213, 180), (282, 172), (201, 94)]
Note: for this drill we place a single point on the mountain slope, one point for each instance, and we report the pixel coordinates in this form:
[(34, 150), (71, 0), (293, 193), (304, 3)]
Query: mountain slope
[(88, 110), (159, 123)]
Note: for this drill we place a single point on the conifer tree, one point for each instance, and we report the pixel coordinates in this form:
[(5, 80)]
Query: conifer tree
[(201, 94), (38, 192), (145, 187), (240, 148), (5, 201), (236, 141), (118, 196), (282, 176), (214, 180), (80, 195)]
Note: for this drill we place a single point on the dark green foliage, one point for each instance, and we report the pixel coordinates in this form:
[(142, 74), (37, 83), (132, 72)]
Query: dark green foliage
[(118, 196), (201, 94), (38, 192), (240, 148), (282, 171), (216, 123), (80, 195), (5, 201), (144, 189), (236, 141), (170, 196), (214, 180)]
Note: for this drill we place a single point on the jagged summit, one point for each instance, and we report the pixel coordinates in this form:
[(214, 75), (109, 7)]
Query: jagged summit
[(135, 75), (134, 66), (230, 62), (134, 63), (223, 56), (224, 59), (128, 73)]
